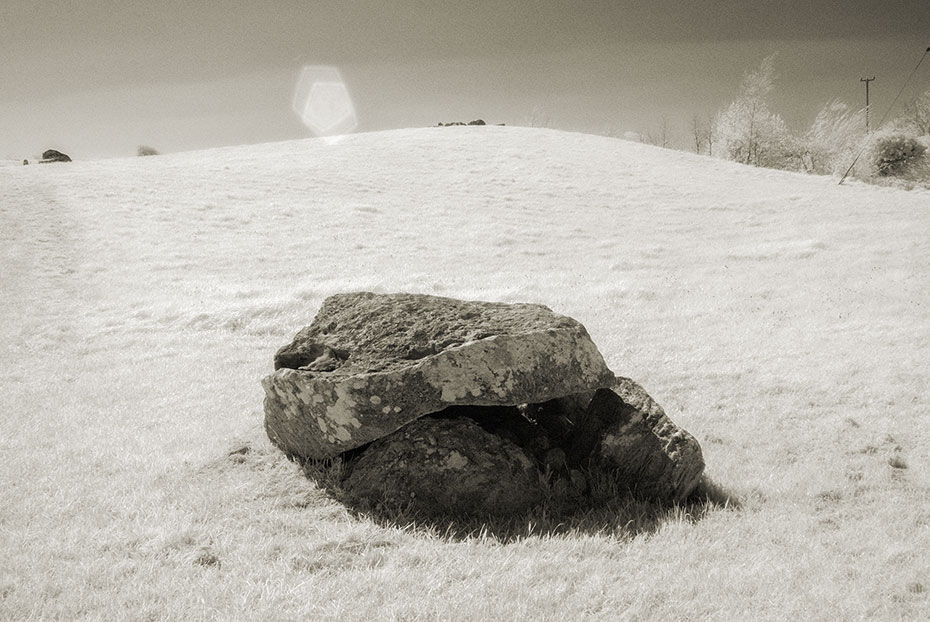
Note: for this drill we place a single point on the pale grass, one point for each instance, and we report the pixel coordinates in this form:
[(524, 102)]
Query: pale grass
[(779, 318)]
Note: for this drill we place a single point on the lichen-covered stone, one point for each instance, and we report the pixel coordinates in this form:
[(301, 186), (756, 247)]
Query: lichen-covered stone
[(369, 364), (446, 465)]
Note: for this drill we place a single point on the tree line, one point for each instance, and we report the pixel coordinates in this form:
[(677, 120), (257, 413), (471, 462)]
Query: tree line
[(747, 130)]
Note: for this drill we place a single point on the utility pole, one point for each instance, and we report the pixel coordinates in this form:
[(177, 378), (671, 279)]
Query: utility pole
[(866, 80)]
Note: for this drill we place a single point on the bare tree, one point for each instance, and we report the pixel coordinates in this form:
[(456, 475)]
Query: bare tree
[(916, 117), (660, 137), (702, 134)]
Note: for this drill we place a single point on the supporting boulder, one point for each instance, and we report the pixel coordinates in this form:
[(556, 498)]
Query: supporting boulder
[(623, 431), (445, 466), (655, 458)]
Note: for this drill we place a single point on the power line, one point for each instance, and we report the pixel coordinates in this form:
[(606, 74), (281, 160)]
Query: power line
[(882, 122)]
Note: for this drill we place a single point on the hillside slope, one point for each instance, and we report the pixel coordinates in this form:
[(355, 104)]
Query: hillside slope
[(782, 319)]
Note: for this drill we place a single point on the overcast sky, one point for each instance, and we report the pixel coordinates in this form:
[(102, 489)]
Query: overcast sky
[(96, 78)]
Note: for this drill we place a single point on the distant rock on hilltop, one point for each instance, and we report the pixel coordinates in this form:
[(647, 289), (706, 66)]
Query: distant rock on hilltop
[(475, 122), (54, 156)]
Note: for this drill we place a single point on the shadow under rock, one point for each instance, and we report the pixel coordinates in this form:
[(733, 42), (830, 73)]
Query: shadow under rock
[(604, 510), (534, 476)]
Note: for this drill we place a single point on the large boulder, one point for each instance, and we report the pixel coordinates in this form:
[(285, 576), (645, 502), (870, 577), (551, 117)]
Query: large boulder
[(447, 465), (369, 364)]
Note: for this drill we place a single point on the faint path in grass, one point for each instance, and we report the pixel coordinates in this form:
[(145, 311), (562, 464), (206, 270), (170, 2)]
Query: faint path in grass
[(40, 284)]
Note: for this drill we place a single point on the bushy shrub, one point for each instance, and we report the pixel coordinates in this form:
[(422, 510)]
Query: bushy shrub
[(146, 151), (896, 154)]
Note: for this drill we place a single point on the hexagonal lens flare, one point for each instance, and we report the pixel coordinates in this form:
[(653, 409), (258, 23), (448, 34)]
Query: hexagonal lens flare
[(323, 103)]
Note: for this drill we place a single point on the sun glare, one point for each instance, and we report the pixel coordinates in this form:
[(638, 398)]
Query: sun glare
[(323, 103)]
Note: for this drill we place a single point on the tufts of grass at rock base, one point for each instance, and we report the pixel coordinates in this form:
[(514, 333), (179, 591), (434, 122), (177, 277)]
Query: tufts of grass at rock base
[(605, 508)]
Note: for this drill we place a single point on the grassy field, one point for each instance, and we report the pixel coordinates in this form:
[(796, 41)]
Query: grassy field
[(782, 319)]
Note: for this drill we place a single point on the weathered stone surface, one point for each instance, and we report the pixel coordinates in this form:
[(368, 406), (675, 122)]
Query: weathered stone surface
[(445, 465), (54, 156), (370, 363), (623, 430)]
